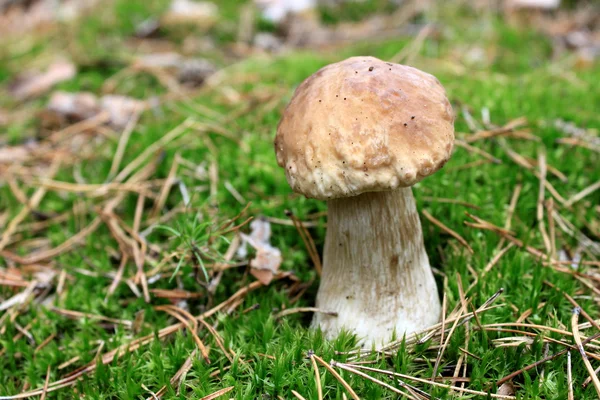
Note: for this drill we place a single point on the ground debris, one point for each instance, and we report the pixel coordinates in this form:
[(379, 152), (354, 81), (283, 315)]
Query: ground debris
[(268, 258), (202, 14), (191, 72), (35, 83), (74, 107), (17, 16), (277, 10)]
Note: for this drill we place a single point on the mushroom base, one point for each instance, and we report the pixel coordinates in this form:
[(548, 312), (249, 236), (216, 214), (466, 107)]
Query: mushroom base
[(376, 273)]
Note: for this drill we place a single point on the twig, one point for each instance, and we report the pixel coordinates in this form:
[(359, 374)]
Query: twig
[(317, 377), (32, 204), (450, 201), (584, 357), (510, 126), (218, 393), (540, 202), (80, 315), (46, 382), (308, 241), (449, 231), (185, 318), (377, 381), (139, 160), (477, 150), (428, 382), (442, 329), (164, 191), (297, 395), (543, 360), (65, 246), (123, 140), (117, 278), (409, 51), (185, 367), (569, 377), (303, 309), (337, 376), (585, 192)]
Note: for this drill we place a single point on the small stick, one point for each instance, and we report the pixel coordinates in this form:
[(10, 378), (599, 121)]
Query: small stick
[(540, 202), (450, 201), (588, 190), (61, 248), (298, 396), (576, 305), (477, 150), (377, 381), (218, 393), (584, 357), (185, 367), (46, 383), (569, 377), (45, 342), (30, 205), (543, 360), (317, 376), (118, 277), (308, 241), (123, 140), (442, 330), (338, 377), (449, 231), (303, 309), (164, 191), (139, 160), (510, 126), (551, 227), (428, 382), (193, 328), (589, 378), (511, 210), (217, 337)]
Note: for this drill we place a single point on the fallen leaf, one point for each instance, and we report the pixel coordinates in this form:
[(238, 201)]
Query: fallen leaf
[(533, 4), (184, 12), (195, 71), (75, 106), (13, 154), (121, 108), (278, 10), (158, 60), (506, 389), (32, 84), (268, 258)]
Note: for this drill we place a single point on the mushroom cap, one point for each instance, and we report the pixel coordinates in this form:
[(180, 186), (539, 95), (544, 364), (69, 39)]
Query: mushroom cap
[(364, 125)]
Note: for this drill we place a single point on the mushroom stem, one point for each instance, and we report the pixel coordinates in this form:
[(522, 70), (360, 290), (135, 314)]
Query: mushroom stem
[(376, 273)]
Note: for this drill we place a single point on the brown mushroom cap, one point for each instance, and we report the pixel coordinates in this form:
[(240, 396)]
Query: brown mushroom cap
[(364, 125)]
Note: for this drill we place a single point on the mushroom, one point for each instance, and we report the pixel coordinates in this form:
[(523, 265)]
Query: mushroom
[(358, 134)]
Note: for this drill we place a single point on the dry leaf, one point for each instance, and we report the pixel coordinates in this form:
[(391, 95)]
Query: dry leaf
[(74, 106), (182, 12), (533, 4), (195, 71), (13, 154), (506, 389), (277, 10), (268, 258), (21, 16), (158, 60), (32, 84), (121, 108)]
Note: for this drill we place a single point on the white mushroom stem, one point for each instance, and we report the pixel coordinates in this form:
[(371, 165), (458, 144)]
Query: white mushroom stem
[(376, 273)]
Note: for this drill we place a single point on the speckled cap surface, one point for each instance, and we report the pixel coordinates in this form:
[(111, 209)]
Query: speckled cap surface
[(364, 125)]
